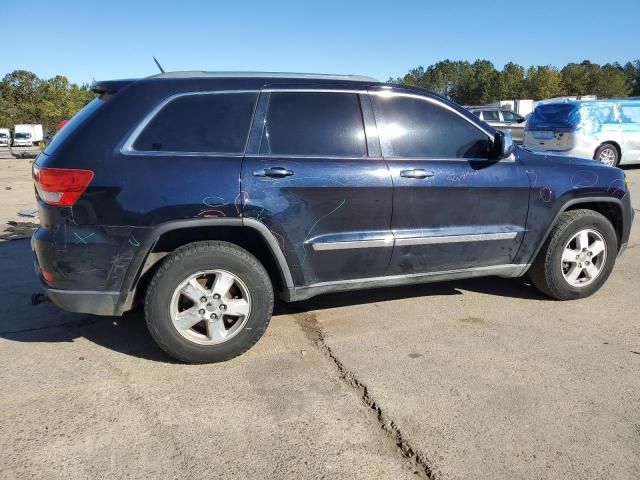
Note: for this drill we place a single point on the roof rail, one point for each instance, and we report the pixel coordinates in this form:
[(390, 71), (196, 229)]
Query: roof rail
[(286, 75)]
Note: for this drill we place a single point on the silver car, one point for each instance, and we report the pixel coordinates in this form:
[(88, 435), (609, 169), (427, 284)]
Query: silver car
[(504, 120)]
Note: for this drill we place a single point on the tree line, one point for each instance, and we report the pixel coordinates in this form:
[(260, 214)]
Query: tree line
[(25, 98), (480, 82)]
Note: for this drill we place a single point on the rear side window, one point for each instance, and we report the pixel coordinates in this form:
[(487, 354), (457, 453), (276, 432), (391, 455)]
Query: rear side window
[(77, 120), (510, 116), (490, 115), (420, 129), (214, 123), (314, 124)]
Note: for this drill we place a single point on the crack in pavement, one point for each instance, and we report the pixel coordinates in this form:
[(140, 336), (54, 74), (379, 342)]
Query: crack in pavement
[(313, 330)]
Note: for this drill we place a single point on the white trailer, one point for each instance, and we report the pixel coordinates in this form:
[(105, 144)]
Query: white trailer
[(27, 135)]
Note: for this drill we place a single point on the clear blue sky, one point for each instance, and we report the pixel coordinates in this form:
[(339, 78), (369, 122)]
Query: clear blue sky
[(116, 39)]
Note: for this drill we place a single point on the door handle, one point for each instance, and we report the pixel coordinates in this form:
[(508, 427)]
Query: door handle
[(273, 172), (416, 173)]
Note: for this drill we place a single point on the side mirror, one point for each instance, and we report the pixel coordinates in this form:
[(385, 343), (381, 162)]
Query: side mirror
[(502, 145), (521, 120)]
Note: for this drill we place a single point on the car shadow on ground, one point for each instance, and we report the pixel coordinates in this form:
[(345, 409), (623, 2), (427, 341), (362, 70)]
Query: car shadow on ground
[(22, 322)]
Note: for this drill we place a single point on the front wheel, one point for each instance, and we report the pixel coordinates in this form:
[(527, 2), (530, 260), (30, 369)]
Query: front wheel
[(578, 256), (208, 302)]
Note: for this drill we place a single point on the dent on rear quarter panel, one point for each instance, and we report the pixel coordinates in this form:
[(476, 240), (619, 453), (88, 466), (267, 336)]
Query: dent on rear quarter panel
[(556, 181)]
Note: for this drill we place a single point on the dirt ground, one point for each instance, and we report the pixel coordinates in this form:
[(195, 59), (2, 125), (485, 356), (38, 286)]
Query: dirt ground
[(483, 378)]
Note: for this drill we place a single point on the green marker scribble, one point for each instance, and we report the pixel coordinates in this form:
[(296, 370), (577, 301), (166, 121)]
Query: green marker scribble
[(133, 241)]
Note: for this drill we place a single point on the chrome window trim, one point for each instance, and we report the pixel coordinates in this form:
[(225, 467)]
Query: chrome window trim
[(127, 147), (310, 157)]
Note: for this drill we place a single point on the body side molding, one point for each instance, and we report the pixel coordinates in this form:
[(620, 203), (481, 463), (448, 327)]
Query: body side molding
[(303, 293)]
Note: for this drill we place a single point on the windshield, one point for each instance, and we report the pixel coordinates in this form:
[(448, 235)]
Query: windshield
[(554, 115), (3, 135), (22, 135)]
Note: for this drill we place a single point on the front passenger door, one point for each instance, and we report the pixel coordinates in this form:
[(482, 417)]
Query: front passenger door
[(453, 207)]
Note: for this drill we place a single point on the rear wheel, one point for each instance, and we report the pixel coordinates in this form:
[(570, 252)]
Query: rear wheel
[(578, 256), (208, 302), (607, 154)]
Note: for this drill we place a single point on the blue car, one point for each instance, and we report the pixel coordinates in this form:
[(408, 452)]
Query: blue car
[(199, 195)]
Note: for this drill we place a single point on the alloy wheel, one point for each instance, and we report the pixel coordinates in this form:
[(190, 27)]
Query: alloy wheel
[(210, 307), (583, 258), (608, 157)]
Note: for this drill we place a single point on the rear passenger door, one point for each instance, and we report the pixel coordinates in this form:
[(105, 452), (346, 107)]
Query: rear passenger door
[(319, 183), (453, 208), (630, 116)]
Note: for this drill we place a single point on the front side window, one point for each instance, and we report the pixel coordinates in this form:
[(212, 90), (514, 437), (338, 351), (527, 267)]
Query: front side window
[(314, 124), (421, 129), (215, 123)]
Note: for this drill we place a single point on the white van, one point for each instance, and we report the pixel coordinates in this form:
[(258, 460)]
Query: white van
[(27, 135)]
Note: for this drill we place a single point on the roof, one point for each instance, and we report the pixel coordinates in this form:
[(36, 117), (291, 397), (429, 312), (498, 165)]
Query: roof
[(280, 75)]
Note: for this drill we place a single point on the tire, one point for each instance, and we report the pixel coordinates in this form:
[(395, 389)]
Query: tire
[(608, 154), (167, 305), (550, 274)]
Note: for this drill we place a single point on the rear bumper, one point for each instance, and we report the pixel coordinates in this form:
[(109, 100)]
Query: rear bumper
[(80, 301), (87, 270)]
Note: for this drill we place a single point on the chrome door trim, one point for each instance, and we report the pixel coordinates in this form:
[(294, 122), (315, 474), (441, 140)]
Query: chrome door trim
[(396, 241), (476, 237), (374, 243)]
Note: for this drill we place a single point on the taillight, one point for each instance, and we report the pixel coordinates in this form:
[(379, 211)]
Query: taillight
[(61, 186)]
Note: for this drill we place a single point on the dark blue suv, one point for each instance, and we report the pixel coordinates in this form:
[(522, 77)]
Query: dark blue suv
[(199, 194)]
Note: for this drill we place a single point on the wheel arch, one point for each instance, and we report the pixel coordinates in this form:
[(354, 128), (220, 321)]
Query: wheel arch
[(610, 207), (249, 234), (613, 143)]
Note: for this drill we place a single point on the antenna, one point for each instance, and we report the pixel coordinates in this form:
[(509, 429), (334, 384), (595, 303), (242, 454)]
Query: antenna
[(158, 64)]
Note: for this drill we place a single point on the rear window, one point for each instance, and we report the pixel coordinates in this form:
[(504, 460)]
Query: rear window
[(203, 123), (554, 115), (88, 110)]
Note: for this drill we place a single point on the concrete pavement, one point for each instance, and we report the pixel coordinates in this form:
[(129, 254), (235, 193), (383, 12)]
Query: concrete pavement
[(472, 379)]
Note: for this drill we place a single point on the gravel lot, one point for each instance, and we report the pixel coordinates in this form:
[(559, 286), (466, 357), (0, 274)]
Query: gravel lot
[(468, 379)]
